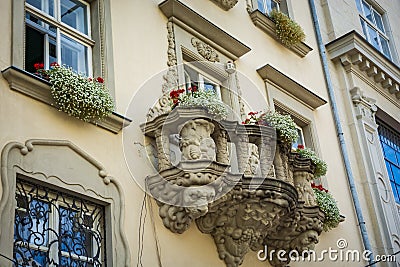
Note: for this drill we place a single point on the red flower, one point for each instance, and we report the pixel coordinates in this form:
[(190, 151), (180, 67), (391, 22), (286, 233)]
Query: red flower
[(100, 80), (252, 113), (90, 79), (54, 64), (194, 89), (300, 146), (38, 66)]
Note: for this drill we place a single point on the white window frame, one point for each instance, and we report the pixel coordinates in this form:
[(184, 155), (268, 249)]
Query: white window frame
[(265, 8), (63, 28), (200, 79), (374, 26), (53, 223)]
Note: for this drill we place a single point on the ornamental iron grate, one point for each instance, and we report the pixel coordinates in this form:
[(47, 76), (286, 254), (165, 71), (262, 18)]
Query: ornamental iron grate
[(56, 229)]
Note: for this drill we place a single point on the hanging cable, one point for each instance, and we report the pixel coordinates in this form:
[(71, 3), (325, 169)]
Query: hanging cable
[(142, 220), (158, 248)]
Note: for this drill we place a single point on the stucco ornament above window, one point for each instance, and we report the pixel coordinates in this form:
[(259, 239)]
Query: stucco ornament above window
[(259, 196), (225, 4), (205, 50)]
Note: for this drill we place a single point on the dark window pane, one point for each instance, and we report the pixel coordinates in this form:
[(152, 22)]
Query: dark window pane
[(364, 27), (47, 6), (74, 13), (34, 49)]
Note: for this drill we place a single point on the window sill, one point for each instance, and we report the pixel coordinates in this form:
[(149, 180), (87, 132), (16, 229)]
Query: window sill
[(268, 26), (39, 89)]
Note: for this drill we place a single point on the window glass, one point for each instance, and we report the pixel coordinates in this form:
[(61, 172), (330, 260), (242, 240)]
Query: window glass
[(373, 37), (74, 54), (74, 14), (390, 141), (55, 229), (46, 6), (359, 6), (385, 46), (367, 11), (47, 42), (274, 5), (379, 22)]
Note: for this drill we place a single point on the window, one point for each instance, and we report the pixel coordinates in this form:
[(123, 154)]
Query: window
[(373, 27), (265, 6), (194, 78), (58, 31), (300, 139), (56, 229), (390, 141)]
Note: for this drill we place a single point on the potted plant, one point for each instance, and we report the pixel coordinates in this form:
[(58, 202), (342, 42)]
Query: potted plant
[(288, 31), (328, 206), (192, 97), (77, 95), (320, 165), (284, 124)]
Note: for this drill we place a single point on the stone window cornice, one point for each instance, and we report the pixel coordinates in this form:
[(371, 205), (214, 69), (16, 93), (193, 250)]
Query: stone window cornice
[(39, 89), (360, 57), (291, 87), (194, 23)]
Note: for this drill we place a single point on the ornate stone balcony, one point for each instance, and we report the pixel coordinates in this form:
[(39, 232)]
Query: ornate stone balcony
[(239, 183)]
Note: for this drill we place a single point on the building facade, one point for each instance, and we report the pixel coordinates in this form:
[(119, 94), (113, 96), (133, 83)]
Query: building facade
[(93, 193)]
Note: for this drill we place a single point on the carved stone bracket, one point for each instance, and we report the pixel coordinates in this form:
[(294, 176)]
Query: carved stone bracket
[(364, 106), (225, 4), (266, 200)]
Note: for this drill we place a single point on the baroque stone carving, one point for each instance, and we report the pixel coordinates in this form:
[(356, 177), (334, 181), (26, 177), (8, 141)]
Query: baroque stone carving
[(365, 106), (267, 201), (225, 4), (195, 142), (171, 78), (205, 50)]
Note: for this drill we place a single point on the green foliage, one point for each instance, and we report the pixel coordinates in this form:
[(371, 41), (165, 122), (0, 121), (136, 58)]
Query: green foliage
[(84, 98), (288, 31), (284, 124), (321, 166), (329, 207)]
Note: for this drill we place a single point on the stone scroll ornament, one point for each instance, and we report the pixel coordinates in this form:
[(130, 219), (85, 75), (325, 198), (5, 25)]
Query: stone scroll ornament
[(280, 212), (205, 50)]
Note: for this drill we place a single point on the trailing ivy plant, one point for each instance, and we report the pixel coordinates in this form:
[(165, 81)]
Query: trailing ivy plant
[(284, 124), (199, 98), (288, 31), (320, 165), (78, 96), (328, 206)]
